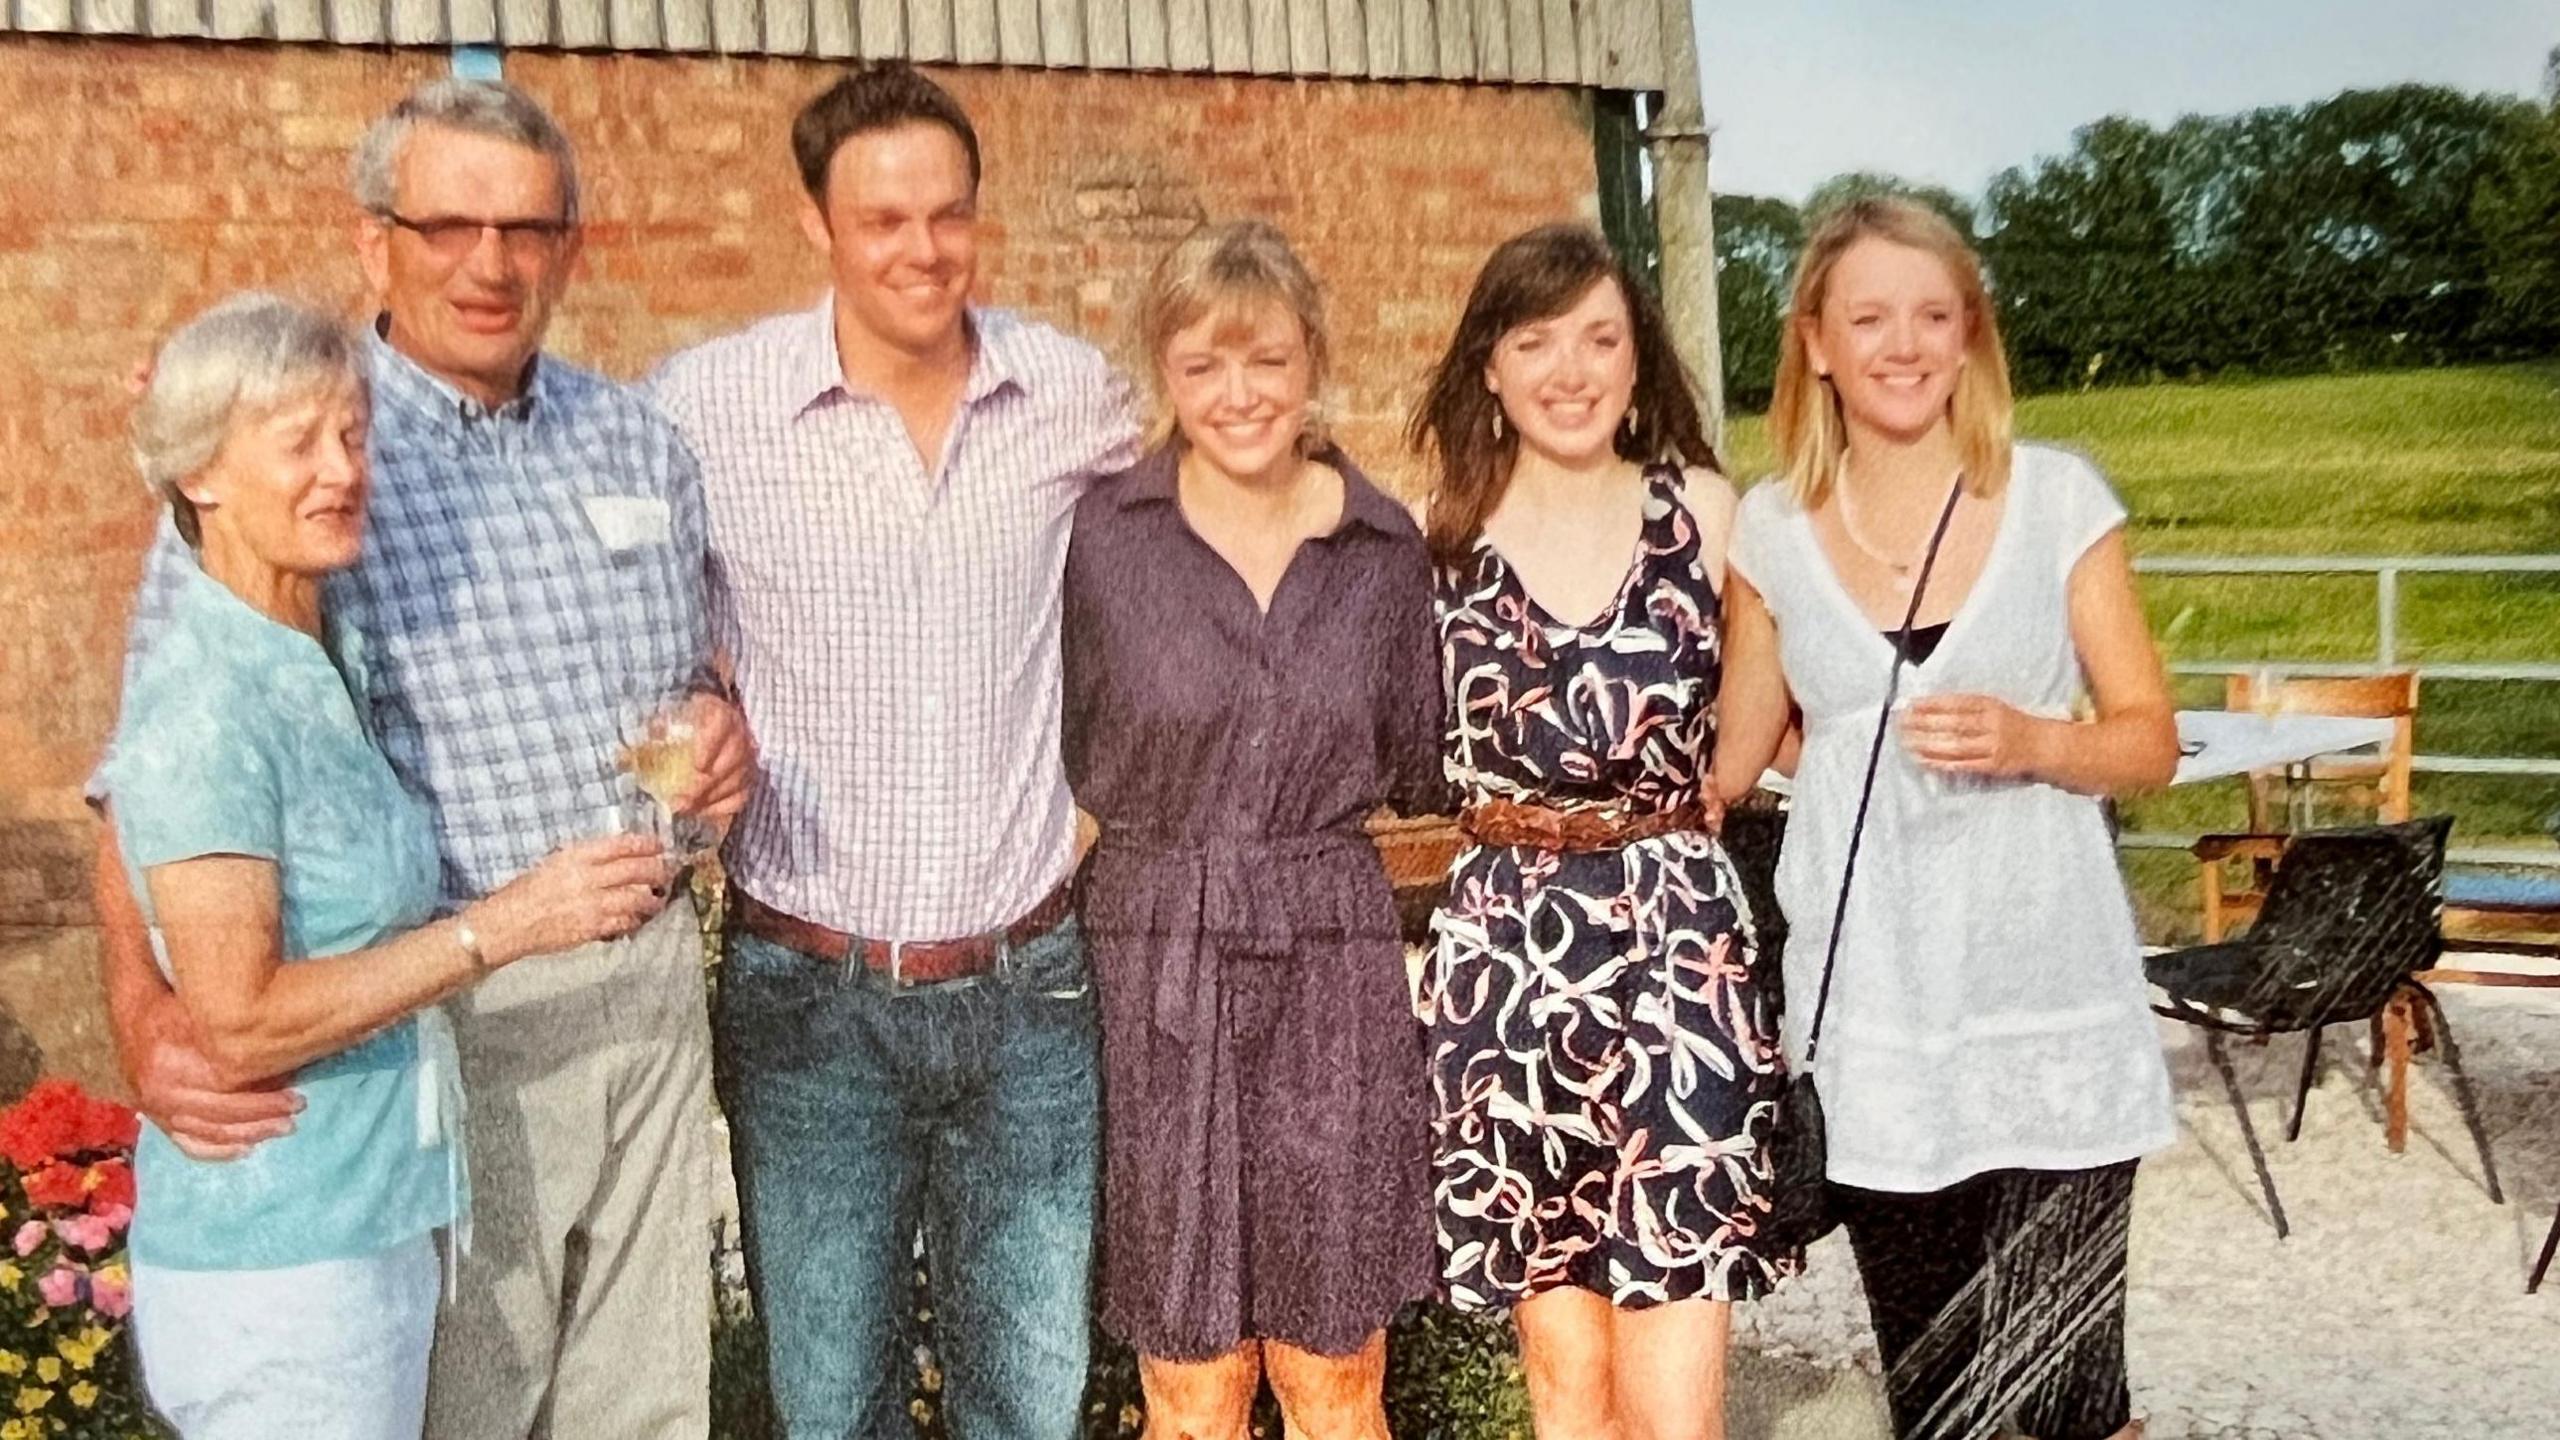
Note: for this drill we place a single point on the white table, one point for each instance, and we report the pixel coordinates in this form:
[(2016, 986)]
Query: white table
[(2218, 744), (2215, 743)]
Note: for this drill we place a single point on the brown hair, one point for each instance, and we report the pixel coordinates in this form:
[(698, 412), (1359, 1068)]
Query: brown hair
[(1531, 277), (873, 98), (1804, 411), (1229, 270)]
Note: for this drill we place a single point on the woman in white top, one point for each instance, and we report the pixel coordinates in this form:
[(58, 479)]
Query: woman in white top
[(1989, 1068)]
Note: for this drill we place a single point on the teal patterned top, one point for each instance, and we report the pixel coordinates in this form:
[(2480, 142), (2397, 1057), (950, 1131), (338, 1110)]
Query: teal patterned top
[(239, 737)]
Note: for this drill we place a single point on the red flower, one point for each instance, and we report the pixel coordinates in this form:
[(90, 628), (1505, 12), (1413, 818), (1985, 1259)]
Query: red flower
[(110, 1182), (57, 1185), (57, 1122), (45, 1125), (110, 1126)]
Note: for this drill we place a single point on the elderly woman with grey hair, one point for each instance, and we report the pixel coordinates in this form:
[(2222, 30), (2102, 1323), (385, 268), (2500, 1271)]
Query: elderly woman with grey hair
[(289, 881)]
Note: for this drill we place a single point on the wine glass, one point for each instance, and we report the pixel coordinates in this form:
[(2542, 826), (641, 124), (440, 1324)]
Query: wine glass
[(658, 742)]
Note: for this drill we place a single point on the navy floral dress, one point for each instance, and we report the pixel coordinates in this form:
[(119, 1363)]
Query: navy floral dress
[(1604, 1057)]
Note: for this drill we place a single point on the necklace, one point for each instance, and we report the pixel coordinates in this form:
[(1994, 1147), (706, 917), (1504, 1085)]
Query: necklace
[(1905, 573)]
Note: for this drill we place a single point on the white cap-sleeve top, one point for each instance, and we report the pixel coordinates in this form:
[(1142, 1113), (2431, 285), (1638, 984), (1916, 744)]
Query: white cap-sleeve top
[(1988, 1009)]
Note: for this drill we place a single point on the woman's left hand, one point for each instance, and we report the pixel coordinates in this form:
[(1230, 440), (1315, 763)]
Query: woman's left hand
[(1974, 735)]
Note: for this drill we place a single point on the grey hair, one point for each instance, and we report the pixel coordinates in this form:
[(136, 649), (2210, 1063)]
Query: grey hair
[(243, 359), (475, 107)]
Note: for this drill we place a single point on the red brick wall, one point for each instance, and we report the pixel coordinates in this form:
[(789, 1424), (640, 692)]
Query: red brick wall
[(141, 180)]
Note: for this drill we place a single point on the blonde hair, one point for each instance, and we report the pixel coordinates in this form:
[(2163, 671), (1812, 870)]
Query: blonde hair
[(1805, 426), (1230, 270)]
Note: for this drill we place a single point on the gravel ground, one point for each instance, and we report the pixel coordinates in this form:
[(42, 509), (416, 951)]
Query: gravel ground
[(2396, 1309)]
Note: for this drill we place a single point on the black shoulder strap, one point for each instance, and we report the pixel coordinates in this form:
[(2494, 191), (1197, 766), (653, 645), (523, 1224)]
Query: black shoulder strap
[(1875, 755)]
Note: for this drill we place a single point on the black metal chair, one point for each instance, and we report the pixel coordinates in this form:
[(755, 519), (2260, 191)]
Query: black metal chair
[(2541, 1267), (2551, 1238), (2350, 918)]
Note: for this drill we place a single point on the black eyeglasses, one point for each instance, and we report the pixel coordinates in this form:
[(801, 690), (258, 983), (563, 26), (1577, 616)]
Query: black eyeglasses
[(453, 237)]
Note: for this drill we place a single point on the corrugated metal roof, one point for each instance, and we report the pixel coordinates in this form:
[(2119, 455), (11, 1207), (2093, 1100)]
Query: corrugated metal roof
[(1609, 44)]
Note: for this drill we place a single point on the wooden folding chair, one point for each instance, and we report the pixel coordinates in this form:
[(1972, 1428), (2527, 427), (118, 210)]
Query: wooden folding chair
[(2357, 789)]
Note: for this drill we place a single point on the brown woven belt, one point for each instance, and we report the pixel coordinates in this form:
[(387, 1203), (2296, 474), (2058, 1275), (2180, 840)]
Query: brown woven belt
[(1536, 827), (909, 962)]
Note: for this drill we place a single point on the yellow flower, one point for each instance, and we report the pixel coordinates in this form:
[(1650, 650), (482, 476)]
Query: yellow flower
[(16, 1430), (12, 1363), (84, 1394), (74, 1349), (11, 1277), (32, 1399), (49, 1370)]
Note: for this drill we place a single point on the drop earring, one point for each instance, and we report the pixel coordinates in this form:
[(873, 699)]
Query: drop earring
[(1631, 422), (1497, 422)]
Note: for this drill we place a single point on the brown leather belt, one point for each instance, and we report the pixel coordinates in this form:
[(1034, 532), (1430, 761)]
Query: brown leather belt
[(908, 962), (1536, 827)]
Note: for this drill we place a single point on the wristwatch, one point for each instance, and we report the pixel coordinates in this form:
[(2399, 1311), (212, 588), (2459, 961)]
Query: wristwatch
[(469, 940)]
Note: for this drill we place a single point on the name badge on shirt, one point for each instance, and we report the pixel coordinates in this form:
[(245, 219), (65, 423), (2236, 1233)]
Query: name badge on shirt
[(625, 522)]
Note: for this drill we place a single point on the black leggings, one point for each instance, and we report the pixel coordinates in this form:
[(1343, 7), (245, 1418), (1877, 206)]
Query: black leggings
[(2001, 1293)]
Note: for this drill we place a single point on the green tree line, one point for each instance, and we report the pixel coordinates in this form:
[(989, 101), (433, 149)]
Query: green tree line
[(2413, 225)]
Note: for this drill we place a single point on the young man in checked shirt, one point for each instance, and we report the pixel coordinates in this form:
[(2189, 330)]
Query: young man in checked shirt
[(533, 561), (905, 1033)]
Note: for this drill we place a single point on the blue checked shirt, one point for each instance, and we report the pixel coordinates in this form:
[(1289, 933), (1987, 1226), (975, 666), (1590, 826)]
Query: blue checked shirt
[(531, 576)]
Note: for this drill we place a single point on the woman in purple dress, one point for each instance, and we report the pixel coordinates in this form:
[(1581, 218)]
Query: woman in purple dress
[(1604, 1053), (1250, 673)]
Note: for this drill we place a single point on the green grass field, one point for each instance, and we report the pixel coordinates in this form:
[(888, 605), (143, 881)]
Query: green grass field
[(2462, 461)]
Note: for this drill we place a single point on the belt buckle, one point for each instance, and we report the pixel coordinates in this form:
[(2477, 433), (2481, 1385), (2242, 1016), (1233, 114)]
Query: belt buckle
[(899, 984)]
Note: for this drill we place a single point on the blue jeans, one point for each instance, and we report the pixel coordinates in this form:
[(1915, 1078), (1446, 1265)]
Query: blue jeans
[(860, 1113)]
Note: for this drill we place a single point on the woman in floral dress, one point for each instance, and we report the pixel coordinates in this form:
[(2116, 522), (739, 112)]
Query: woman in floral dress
[(1605, 1061)]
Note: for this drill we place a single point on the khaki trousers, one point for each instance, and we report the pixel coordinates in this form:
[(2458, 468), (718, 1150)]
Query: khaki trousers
[(584, 1306)]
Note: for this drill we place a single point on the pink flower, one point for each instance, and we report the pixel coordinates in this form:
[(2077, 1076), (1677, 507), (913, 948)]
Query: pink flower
[(114, 1217), (30, 1235), (60, 1286), (111, 1291), (85, 1232)]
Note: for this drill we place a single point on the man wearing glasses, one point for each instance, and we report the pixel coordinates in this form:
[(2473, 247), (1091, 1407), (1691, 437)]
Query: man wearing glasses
[(533, 566)]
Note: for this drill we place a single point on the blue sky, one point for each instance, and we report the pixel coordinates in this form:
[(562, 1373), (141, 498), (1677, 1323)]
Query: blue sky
[(1953, 91)]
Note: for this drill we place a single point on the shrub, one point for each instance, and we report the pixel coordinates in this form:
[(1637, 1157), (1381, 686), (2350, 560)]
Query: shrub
[(66, 1198)]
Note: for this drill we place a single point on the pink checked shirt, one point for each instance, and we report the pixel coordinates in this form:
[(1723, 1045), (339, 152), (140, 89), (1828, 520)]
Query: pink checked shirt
[(894, 633)]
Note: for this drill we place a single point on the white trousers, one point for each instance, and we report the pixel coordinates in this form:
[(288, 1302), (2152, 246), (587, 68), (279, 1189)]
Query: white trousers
[(335, 1350)]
